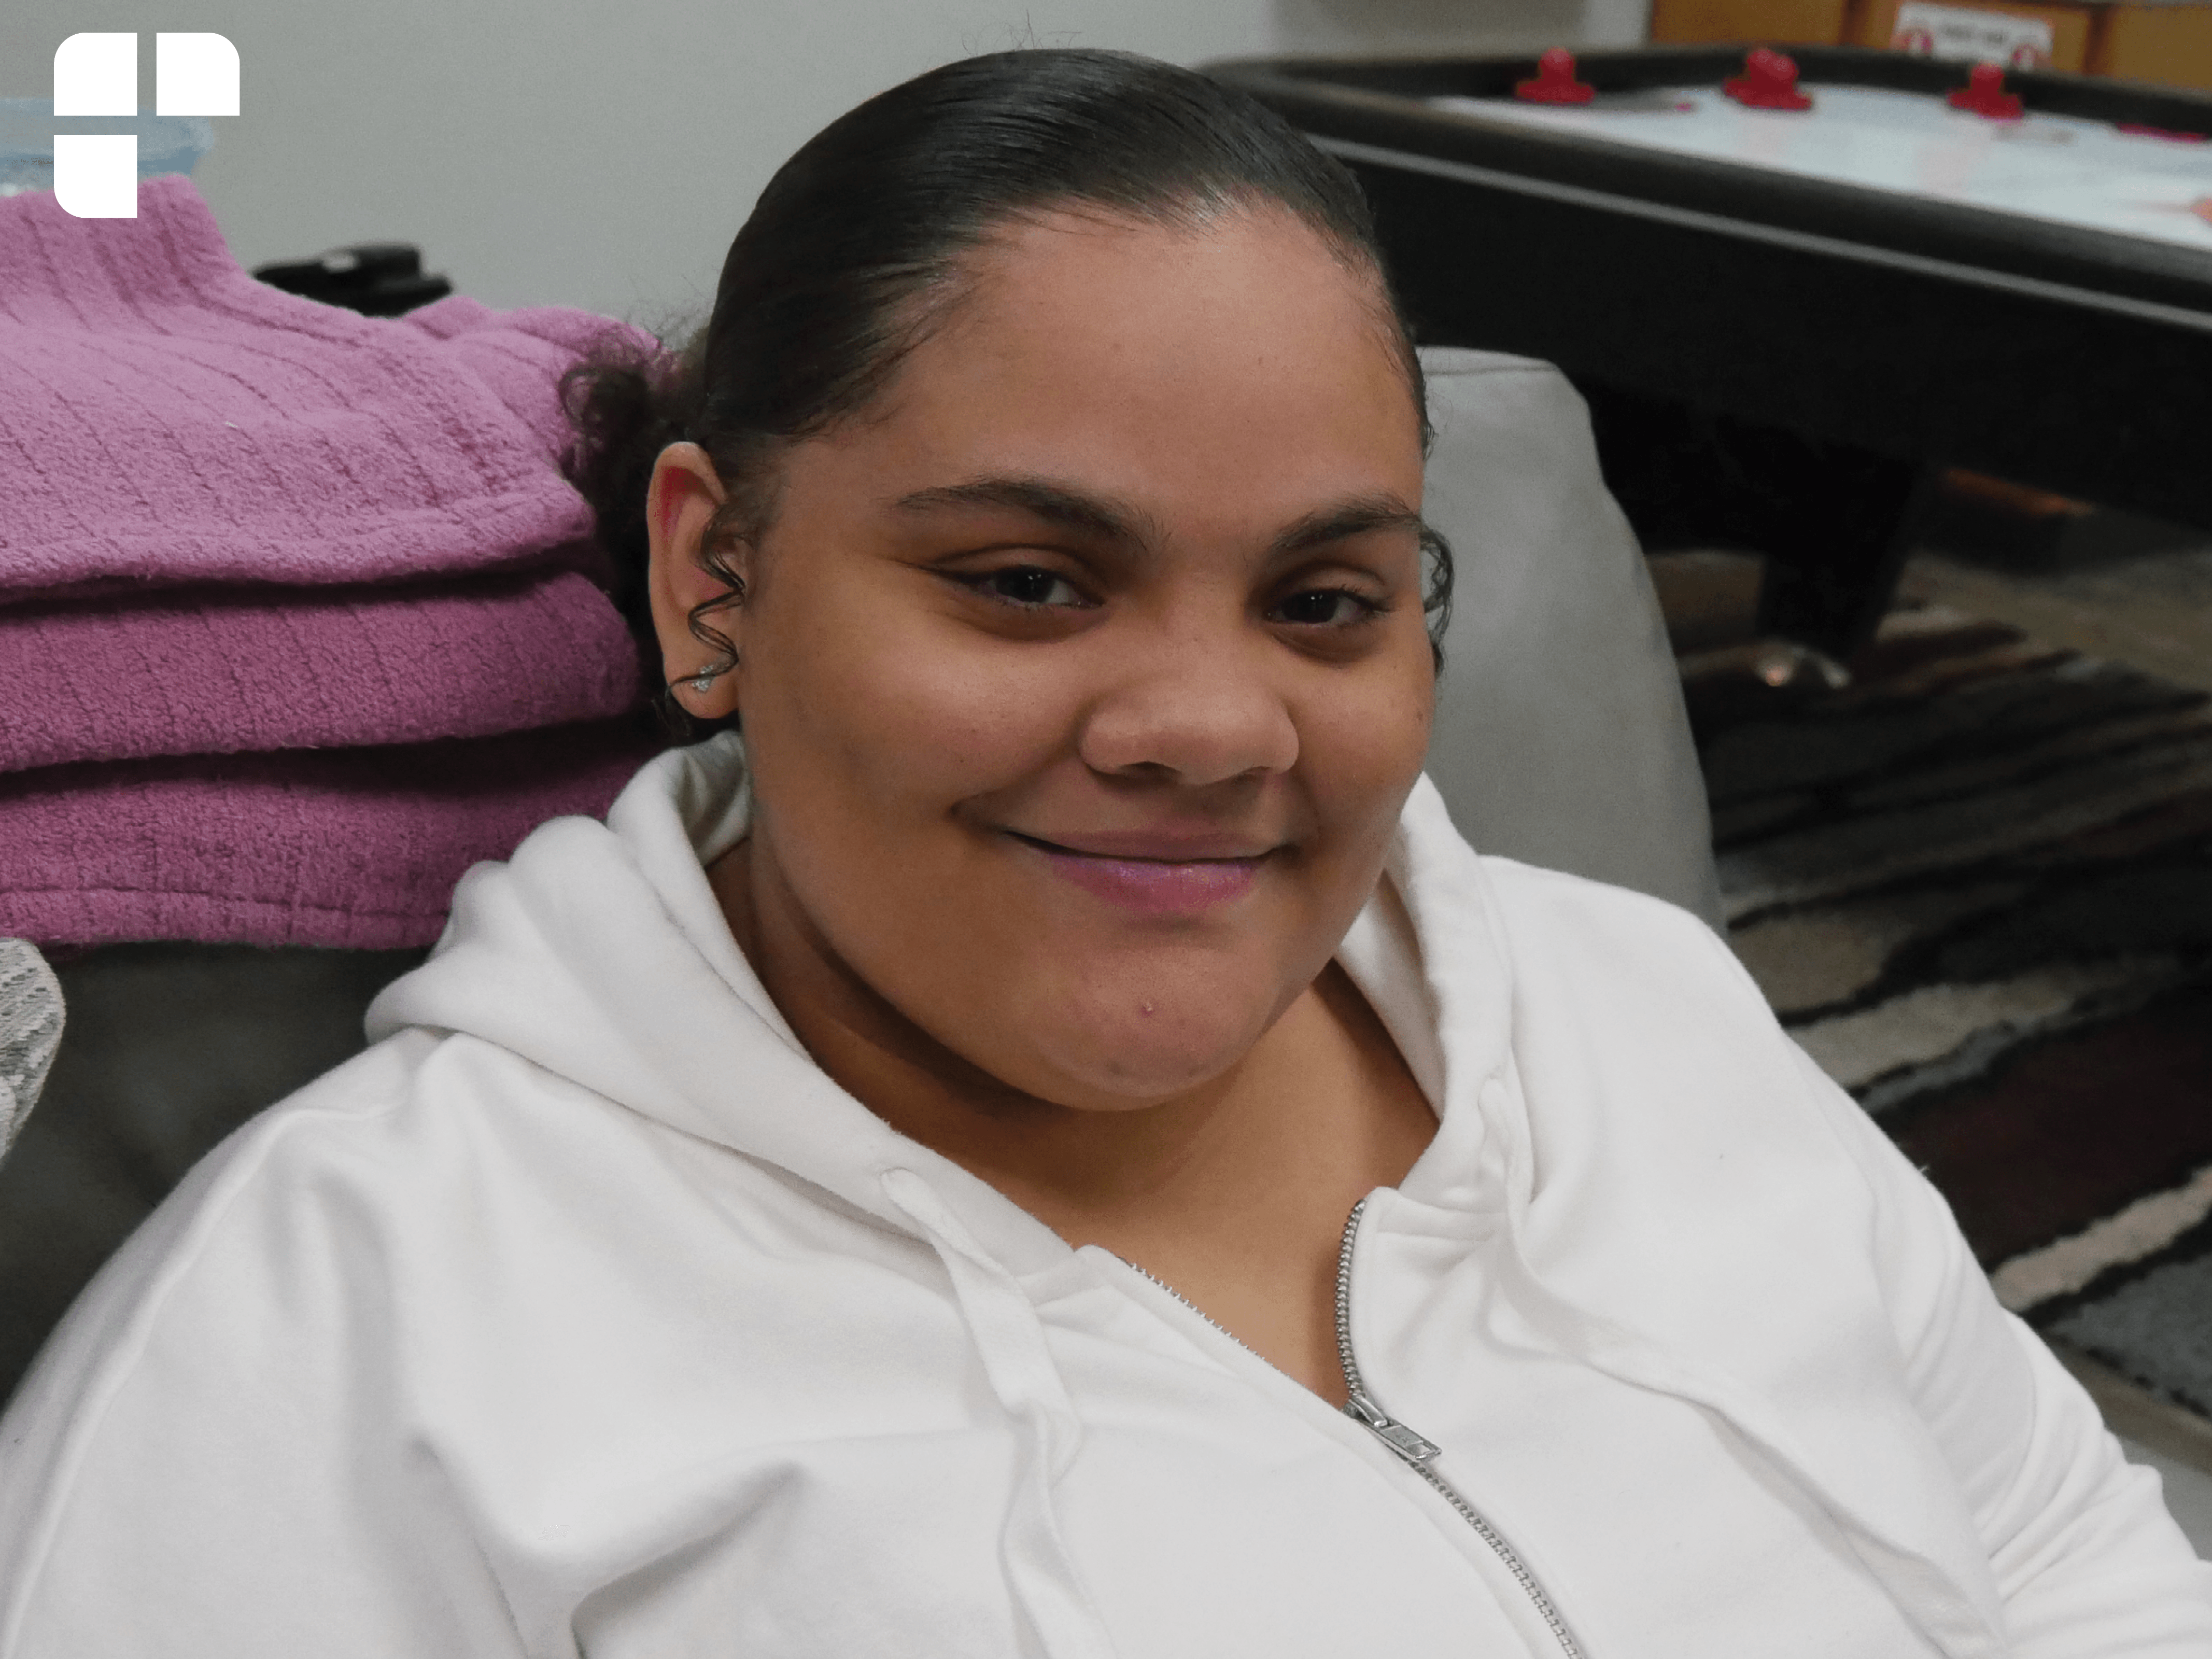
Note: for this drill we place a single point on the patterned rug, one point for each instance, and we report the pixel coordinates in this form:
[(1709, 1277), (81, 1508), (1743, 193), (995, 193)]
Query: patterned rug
[(1976, 883)]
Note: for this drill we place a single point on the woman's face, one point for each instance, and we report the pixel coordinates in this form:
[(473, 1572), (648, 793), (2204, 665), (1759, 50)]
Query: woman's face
[(1083, 676)]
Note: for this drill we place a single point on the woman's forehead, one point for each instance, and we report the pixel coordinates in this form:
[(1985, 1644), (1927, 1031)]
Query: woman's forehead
[(1234, 279), (1168, 357)]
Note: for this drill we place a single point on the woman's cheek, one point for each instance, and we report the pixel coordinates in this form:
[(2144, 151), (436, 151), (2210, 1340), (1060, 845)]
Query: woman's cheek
[(963, 717), (1363, 747)]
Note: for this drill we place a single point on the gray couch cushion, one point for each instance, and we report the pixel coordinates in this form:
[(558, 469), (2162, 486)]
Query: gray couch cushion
[(1561, 737), (168, 1047)]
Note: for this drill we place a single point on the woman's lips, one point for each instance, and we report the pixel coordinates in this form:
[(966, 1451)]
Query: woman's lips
[(1165, 885)]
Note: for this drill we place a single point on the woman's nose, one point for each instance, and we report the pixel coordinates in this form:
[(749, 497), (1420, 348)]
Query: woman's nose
[(1193, 705)]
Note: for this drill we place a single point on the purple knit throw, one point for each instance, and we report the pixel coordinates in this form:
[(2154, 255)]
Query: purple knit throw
[(288, 643), (196, 672), (358, 849), (165, 418)]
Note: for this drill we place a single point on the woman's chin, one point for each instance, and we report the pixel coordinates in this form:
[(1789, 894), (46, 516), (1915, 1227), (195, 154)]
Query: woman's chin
[(1130, 1057)]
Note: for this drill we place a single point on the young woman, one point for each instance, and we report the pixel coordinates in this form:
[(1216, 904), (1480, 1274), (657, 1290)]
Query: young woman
[(1050, 1143)]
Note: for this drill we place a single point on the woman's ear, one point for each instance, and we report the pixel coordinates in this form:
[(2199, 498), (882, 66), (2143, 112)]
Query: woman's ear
[(681, 500)]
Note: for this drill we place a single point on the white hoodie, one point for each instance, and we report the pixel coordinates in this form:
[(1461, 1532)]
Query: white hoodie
[(583, 1314)]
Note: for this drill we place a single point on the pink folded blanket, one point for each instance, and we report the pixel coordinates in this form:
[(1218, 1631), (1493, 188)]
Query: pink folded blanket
[(348, 848), (194, 671), (165, 418)]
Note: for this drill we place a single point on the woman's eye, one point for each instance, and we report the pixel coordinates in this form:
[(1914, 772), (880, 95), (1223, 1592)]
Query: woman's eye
[(1028, 585), (1326, 607)]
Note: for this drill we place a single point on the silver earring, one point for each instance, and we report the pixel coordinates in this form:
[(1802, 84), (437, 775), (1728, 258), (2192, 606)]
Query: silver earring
[(702, 681)]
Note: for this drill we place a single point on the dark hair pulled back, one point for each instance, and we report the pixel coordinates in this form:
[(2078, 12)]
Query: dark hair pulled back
[(852, 252)]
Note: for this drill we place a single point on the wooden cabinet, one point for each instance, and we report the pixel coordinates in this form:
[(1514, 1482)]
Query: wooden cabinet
[(2165, 44)]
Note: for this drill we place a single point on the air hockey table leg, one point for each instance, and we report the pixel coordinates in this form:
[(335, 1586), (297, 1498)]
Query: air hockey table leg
[(1834, 522), (1835, 602)]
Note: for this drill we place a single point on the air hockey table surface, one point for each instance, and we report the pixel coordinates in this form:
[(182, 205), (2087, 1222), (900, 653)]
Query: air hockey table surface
[(2125, 179), (2029, 298)]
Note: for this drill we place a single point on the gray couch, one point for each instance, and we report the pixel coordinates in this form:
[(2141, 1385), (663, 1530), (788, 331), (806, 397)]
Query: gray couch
[(1560, 738)]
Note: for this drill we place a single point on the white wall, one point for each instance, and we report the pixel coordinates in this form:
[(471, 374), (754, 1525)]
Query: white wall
[(602, 156)]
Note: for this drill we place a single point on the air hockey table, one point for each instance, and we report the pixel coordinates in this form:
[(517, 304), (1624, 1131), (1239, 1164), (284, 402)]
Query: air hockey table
[(1786, 321)]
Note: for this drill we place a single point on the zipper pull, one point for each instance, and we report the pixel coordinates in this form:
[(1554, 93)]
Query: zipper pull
[(1399, 1438)]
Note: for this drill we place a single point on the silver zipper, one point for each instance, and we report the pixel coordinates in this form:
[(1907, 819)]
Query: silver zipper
[(1416, 1449)]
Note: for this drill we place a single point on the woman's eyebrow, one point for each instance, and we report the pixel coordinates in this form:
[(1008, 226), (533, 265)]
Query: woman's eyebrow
[(1111, 521), (1055, 503), (1340, 520)]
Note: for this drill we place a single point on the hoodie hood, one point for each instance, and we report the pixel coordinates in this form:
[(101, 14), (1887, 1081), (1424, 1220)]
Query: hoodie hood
[(599, 953)]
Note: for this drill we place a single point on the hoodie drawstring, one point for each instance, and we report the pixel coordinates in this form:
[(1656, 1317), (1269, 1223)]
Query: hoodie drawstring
[(1010, 1341)]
